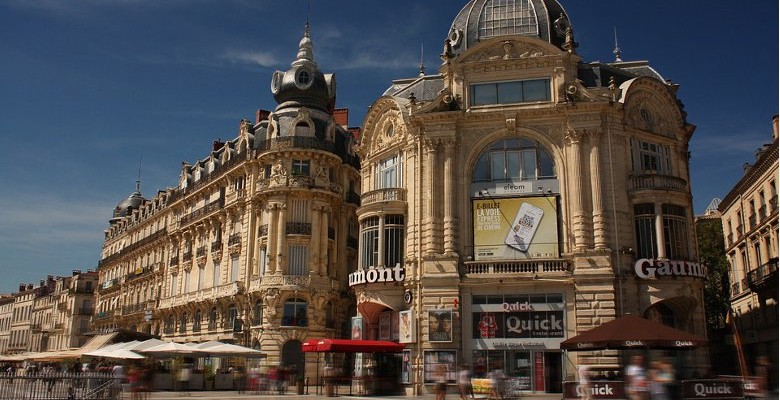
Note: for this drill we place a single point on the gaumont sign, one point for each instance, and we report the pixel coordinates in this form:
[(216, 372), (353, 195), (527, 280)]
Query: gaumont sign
[(597, 389), (646, 268), (713, 389), (373, 275)]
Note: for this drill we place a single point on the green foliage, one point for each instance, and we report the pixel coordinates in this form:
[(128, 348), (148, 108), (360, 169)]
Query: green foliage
[(712, 253)]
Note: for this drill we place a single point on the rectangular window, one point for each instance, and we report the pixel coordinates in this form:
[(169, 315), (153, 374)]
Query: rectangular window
[(201, 273), (216, 278), (394, 240), (675, 232), (644, 223), (511, 92), (300, 167), (262, 261), (298, 260), (234, 269), (389, 172), (650, 157), (369, 239), (299, 211), (186, 281), (173, 285)]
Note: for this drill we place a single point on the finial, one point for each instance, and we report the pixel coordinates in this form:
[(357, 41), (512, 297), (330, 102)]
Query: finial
[(305, 48), (138, 181), (617, 49), (422, 65)]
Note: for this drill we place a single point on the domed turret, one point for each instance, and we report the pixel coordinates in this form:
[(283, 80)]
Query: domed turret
[(126, 206), (303, 85), (483, 19)]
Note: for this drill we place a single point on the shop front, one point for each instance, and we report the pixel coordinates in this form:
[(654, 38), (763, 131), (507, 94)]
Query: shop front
[(520, 335)]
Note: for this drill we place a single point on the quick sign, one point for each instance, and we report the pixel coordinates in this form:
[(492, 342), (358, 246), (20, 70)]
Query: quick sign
[(713, 389), (646, 268), (518, 325), (373, 275), (598, 390)]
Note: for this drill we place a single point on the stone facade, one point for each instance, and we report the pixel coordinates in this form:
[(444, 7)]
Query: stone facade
[(586, 162), (749, 215), (254, 245)]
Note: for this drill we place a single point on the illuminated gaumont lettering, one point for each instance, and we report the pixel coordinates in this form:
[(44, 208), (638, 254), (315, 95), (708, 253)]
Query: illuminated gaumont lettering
[(702, 390), (646, 268), (517, 306), (372, 275)]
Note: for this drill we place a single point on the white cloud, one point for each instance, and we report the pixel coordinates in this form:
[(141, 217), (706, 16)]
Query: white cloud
[(261, 58)]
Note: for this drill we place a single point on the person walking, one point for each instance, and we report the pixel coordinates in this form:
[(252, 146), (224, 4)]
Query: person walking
[(583, 373), (636, 380), (660, 377), (441, 382), (464, 383), (184, 380)]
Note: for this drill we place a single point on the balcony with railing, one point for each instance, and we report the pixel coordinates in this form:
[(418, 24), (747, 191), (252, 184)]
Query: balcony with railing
[(213, 293), (263, 230), (302, 142), (657, 182), (201, 251), (521, 268), (764, 277), (386, 195), (104, 315), (298, 228), (202, 212), (187, 256), (353, 198), (84, 311), (234, 239), (149, 239)]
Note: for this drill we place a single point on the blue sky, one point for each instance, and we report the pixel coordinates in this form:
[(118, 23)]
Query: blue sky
[(90, 87)]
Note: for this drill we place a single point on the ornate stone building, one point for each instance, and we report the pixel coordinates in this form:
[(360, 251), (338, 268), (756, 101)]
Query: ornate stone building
[(521, 196), (749, 214), (255, 243)]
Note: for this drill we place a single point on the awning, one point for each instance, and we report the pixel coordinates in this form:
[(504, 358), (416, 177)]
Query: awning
[(351, 346), (631, 332)]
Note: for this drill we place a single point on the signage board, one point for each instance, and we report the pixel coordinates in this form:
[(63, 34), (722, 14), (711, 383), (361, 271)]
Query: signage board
[(515, 228), (597, 389), (713, 389)]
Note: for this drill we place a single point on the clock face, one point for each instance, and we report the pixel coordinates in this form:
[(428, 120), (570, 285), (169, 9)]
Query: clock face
[(276, 82)]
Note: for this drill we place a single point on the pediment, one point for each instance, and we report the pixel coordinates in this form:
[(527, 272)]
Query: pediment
[(509, 48)]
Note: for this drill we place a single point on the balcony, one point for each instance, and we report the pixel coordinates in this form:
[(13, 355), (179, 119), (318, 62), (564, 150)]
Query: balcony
[(202, 212), (527, 268), (383, 195), (213, 293), (263, 231), (187, 256), (657, 182), (764, 277), (216, 246), (234, 239), (298, 228), (149, 239), (300, 142), (201, 251)]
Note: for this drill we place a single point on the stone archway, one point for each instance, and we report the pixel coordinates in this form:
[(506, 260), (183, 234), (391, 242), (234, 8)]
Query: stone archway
[(292, 356)]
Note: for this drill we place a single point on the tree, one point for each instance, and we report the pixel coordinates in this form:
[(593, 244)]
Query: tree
[(712, 253)]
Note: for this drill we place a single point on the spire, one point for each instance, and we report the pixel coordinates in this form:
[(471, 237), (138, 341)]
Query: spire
[(422, 65), (138, 181), (617, 49), (305, 48)]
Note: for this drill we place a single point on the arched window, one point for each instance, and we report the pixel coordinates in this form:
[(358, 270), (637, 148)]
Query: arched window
[(196, 321), (232, 314), (257, 313), (512, 160), (213, 319), (183, 323), (295, 313)]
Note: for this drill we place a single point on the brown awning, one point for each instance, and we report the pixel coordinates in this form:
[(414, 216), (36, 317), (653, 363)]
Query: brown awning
[(632, 332), (351, 346)]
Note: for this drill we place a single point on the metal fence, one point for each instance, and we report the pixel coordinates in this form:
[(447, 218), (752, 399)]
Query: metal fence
[(93, 386)]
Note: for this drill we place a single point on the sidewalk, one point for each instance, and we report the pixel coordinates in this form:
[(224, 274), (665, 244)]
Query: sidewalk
[(233, 395)]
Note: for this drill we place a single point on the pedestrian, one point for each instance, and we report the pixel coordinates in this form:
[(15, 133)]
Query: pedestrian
[(636, 380), (660, 377), (583, 373), (440, 379), (497, 379), (184, 380), (464, 383)]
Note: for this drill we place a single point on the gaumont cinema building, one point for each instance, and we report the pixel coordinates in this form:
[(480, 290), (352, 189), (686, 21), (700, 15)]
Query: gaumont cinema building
[(517, 197), (522, 195)]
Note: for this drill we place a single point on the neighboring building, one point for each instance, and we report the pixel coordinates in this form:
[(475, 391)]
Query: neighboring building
[(20, 333), (750, 228), (6, 316), (41, 315), (255, 243), (521, 196), (75, 306)]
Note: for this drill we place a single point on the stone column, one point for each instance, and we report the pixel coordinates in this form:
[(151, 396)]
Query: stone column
[(659, 231), (599, 222), (281, 241), (270, 249), (323, 260), (574, 139), (430, 169), (450, 219), (314, 241), (380, 262)]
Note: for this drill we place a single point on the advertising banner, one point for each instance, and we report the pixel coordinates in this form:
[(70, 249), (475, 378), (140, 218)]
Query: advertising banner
[(440, 326), (406, 327), (515, 228), (519, 325)]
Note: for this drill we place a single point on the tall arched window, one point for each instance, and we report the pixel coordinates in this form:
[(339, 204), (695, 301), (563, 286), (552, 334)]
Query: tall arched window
[(257, 313), (213, 319), (196, 321), (512, 160)]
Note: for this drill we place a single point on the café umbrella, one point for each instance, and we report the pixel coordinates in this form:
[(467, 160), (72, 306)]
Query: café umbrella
[(632, 332)]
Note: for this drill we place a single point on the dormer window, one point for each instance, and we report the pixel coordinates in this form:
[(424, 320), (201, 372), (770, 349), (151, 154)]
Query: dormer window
[(303, 79), (301, 129)]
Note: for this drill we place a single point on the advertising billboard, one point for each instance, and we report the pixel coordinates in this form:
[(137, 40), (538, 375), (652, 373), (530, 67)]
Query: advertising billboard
[(515, 228)]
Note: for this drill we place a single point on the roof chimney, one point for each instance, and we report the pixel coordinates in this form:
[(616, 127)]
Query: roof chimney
[(774, 127), (217, 145), (341, 116), (262, 115), (22, 287)]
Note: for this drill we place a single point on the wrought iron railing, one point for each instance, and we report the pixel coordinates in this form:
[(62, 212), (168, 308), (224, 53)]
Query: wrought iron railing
[(298, 228), (658, 182), (517, 267)]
